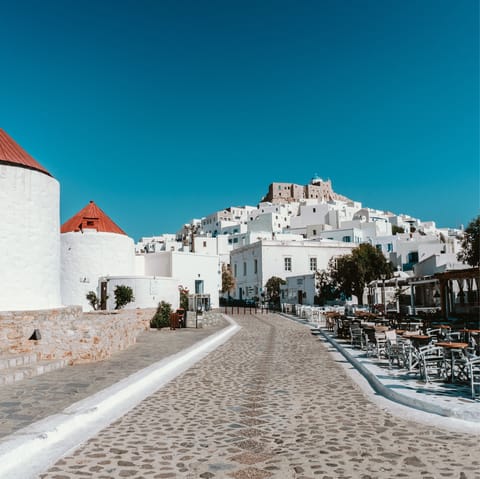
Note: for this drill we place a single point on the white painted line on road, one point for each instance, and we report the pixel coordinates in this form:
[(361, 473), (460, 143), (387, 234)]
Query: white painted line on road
[(32, 450)]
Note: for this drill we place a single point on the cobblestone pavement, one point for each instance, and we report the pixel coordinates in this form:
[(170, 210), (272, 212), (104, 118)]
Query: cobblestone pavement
[(33, 399), (270, 403)]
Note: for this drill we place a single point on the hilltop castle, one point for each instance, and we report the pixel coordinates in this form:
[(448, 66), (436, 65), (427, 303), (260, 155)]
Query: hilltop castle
[(290, 192)]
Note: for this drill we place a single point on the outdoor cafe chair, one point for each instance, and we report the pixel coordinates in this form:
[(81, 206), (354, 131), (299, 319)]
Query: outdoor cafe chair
[(431, 361), (395, 349), (356, 336), (473, 368), (456, 360), (375, 343)]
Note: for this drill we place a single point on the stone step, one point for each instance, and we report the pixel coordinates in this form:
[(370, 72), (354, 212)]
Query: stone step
[(18, 373), (8, 361)]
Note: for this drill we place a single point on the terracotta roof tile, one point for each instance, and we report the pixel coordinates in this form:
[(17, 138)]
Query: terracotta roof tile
[(91, 217), (13, 154)]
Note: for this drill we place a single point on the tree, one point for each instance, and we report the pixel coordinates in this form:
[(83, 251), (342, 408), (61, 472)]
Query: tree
[(325, 287), (470, 253), (273, 289), (123, 296), (93, 300), (353, 271), (228, 280)]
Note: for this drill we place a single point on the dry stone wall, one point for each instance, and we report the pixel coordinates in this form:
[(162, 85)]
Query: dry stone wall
[(67, 333)]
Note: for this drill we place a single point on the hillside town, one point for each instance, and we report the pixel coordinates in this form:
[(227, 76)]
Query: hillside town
[(294, 233)]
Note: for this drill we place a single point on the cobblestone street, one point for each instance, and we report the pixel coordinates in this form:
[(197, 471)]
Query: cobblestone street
[(270, 403)]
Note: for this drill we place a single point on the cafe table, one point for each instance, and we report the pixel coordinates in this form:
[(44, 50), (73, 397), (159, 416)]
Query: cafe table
[(453, 351), (419, 340)]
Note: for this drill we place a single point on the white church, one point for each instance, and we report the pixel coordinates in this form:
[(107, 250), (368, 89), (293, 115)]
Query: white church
[(44, 265)]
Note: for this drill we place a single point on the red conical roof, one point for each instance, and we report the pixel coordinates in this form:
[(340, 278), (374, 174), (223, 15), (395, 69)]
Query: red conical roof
[(13, 154), (91, 217)]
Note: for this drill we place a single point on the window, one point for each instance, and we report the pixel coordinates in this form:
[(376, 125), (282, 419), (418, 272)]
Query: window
[(379, 247), (314, 232), (255, 266), (244, 268), (313, 264), (288, 264), (204, 244), (389, 247), (314, 210), (235, 270), (198, 286), (346, 239)]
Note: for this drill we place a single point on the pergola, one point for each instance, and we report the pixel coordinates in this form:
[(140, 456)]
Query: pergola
[(467, 281)]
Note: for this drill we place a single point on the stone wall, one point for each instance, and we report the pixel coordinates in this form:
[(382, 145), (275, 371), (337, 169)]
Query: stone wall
[(67, 333), (206, 319)]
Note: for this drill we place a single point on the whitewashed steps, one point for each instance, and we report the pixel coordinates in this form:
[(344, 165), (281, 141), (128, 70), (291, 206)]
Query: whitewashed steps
[(15, 368)]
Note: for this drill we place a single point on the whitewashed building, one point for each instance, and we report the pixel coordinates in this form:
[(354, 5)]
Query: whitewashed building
[(253, 265), (92, 246), (300, 289), (29, 233), (199, 273)]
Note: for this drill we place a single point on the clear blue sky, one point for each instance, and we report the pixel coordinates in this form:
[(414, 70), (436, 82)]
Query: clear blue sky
[(161, 111)]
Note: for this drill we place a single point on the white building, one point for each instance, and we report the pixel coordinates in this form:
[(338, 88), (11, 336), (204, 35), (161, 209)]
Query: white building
[(29, 233), (199, 273), (154, 244), (437, 263), (253, 265), (92, 246), (300, 289), (409, 249)]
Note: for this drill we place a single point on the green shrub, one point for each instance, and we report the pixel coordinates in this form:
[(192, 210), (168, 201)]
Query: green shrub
[(161, 319), (123, 296), (93, 300)]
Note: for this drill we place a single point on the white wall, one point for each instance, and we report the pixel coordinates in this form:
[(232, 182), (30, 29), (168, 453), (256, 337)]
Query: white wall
[(304, 283), (315, 214), (29, 240), (187, 267), (157, 264), (147, 290), (355, 235), (88, 256)]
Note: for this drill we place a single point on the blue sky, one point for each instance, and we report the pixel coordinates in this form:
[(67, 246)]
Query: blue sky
[(161, 111)]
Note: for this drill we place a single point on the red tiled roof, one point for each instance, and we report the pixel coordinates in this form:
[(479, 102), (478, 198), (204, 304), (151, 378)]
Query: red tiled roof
[(91, 217), (13, 154)]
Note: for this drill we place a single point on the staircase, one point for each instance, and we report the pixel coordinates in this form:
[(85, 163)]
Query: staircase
[(15, 367)]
